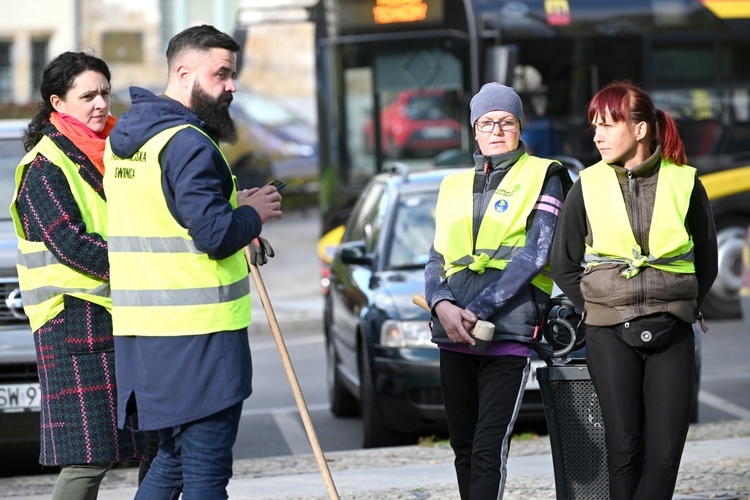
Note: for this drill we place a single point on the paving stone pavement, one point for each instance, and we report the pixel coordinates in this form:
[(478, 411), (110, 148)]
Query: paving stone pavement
[(359, 474), (719, 476)]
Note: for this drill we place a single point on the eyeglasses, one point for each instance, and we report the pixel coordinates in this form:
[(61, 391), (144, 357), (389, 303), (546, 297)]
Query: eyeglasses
[(505, 125)]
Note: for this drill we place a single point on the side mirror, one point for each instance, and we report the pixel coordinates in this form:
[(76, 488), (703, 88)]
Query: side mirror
[(353, 252)]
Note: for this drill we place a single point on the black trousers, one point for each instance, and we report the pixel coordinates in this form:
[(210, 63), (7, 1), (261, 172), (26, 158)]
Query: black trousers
[(646, 400), (482, 396)]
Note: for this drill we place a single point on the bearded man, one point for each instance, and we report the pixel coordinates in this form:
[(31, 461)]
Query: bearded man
[(177, 228)]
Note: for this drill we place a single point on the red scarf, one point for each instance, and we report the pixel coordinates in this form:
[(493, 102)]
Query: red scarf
[(89, 142)]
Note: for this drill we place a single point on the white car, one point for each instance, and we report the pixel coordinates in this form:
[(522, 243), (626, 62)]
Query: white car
[(19, 383)]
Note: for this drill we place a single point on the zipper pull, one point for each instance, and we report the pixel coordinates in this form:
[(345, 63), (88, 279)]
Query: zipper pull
[(632, 187)]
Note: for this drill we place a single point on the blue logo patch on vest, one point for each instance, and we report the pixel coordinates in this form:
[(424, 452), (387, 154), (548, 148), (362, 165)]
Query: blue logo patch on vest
[(501, 206)]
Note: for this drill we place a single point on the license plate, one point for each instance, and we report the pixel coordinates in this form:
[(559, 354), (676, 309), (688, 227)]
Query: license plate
[(16, 398), (437, 132), (533, 383)]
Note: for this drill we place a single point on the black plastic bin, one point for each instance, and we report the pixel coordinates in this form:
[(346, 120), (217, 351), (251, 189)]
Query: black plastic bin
[(576, 430)]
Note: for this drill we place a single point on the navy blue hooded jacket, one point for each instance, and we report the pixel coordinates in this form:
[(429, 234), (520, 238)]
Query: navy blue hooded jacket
[(195, 184), (169, 381)]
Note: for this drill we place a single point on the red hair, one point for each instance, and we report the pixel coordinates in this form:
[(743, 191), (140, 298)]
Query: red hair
[(625, 101)]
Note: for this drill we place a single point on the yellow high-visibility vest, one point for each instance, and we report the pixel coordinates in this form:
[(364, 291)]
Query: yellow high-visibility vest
[(42, 278), (670, 245), (502, 232), (162, 285)]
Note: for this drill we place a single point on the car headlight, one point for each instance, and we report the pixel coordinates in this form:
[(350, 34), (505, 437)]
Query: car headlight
[(406, 334)]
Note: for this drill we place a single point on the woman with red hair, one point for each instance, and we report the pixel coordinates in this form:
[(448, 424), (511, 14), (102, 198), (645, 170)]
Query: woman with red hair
[(641, 222)]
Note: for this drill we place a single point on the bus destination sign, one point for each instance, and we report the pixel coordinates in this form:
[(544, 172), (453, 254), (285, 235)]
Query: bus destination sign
[(368, 13), (399, 11)]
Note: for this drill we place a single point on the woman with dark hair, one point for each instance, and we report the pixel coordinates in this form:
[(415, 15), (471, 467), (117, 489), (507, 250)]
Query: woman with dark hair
[(59, 211), (641, 221)]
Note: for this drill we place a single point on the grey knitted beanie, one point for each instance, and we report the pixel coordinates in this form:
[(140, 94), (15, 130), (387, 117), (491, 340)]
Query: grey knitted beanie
[(495, 96)]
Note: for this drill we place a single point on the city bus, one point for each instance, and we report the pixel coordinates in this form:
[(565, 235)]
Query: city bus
[(394, 79)]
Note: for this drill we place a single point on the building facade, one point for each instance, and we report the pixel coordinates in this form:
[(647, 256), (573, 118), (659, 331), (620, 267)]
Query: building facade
[(132, 37)]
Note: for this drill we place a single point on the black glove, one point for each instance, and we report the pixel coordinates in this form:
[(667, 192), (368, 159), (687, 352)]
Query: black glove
[(260, 250)]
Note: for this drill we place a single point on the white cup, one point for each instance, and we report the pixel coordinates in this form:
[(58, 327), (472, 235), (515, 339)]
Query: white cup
[(482, 333)]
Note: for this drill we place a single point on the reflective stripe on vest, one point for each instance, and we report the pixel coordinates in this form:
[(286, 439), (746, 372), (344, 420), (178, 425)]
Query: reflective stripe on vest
[(42, 278), (162, 285), (670, 244), (502, 232)]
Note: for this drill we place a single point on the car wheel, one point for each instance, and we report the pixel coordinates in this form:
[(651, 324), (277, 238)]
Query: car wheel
[(376, 435), (343, 403)]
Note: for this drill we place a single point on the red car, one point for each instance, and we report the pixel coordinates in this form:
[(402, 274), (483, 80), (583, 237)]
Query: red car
[(416, 123)]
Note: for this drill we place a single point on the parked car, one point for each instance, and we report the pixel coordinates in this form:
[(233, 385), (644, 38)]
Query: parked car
[(19, 383), (416, 123), (745, 272), (381, 362), (274, 143)]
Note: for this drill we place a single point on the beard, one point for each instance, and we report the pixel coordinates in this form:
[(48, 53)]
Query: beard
[(214, 111)]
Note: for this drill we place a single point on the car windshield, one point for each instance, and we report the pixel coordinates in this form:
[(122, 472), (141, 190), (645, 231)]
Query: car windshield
[(11, 152), (413, 231)]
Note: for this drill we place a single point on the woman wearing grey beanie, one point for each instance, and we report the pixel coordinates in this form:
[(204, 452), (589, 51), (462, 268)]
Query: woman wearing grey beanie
[(494, 229)]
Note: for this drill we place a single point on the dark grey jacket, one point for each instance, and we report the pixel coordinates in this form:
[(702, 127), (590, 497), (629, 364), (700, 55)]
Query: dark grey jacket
[(505, 298)]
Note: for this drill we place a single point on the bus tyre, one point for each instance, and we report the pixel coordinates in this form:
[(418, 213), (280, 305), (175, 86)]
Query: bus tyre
[(723, 301), (376, 435)]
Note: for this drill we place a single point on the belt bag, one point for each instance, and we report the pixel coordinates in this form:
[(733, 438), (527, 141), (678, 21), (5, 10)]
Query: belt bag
[(648, 332)]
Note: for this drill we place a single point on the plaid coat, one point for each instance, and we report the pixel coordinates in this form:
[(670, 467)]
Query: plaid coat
[(75, 349)]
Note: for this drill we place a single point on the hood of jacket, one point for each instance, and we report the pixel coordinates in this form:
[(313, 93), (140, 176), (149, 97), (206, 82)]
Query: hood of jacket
[(148, 115)]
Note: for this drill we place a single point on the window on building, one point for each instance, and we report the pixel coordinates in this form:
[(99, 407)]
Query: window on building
[(6, 72), (39, 57)]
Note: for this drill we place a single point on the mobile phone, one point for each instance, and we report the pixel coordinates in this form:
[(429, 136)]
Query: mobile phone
[(279, 185)]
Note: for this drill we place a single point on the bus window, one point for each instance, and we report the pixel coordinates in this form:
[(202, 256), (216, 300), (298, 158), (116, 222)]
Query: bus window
[(538, 135), (418, 111), (415, 125), (697, 112), (675, 63)]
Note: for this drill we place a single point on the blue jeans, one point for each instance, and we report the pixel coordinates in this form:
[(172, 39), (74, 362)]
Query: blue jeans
[(194, 459)]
